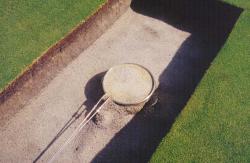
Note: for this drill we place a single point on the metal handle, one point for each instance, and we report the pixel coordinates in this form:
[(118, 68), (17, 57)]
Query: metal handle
[(88, 117)]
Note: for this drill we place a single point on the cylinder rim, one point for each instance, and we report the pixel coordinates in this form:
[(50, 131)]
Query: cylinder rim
[(146, 98)]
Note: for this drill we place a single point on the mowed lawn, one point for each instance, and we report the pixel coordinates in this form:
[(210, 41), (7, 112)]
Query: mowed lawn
[(29, 27), (215, 124)]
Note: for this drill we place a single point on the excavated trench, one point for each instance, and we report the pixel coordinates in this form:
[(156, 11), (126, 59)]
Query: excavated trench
[(175, 40)]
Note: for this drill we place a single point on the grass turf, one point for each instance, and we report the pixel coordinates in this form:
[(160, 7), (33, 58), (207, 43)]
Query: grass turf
[(214, 125), (29, 28), (239, 3)]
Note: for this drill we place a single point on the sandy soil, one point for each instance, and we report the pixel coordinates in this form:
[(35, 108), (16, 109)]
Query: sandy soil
[(133, 38)]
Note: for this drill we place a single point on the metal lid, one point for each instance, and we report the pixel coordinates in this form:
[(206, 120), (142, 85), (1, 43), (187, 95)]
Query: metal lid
[(128, 84)]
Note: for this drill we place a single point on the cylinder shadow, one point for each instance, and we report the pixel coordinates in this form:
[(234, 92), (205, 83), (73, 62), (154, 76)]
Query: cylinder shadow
[(93, 92)]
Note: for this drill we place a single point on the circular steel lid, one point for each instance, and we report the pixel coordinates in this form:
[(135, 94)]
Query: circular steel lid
[(128, 84)]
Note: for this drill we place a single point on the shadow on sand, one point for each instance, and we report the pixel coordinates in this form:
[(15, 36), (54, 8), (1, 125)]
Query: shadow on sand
[(93, 92), (209, 22)]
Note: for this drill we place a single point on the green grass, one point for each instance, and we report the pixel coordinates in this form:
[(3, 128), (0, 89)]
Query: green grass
[(215, 124), (30, 27), (239, 3)]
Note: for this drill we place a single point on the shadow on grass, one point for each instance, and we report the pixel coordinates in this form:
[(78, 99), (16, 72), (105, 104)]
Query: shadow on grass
[(209, 22)]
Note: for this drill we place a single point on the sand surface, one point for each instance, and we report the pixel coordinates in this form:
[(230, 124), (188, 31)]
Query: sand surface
[(134, 38)]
